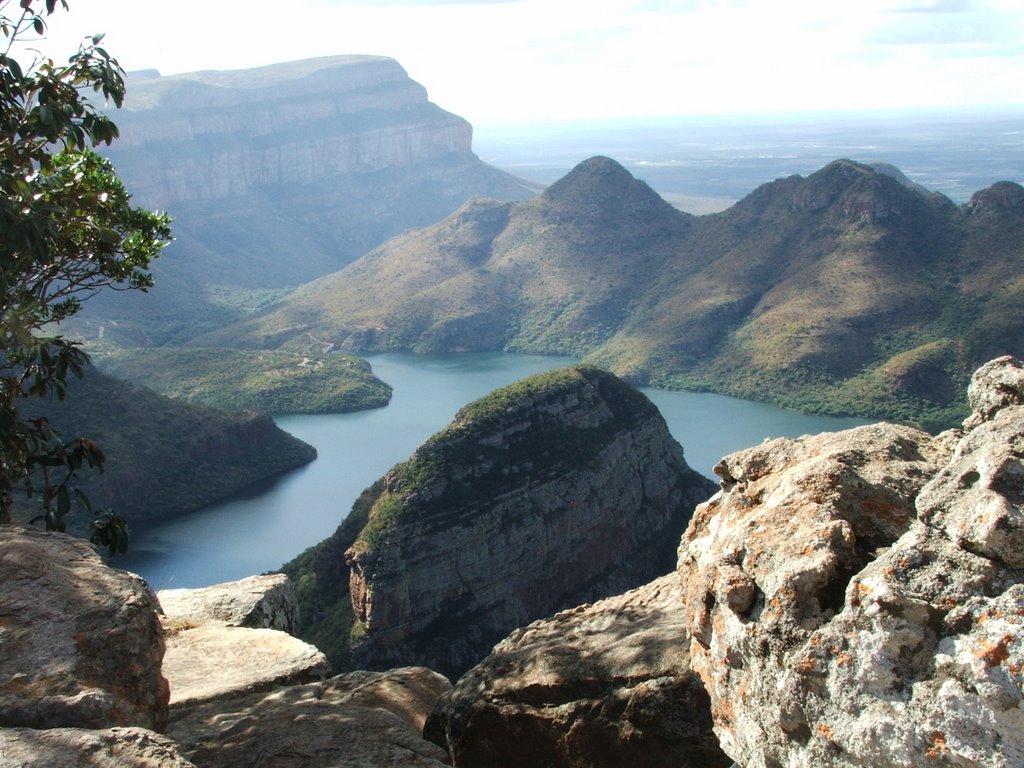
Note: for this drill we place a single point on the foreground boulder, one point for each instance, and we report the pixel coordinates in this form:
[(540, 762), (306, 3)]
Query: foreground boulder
[(207, 663), (561, 488), (77, 748), (258, 602), (607, 684), (359, 719), (828, 636), (81, 644)]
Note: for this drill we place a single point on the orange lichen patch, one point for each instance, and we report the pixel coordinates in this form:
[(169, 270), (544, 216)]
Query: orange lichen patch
[(860, 591), (806, 664), (995, 613), (844, 658), (825, 731), (994, 654), (947, 603), (938, 747)]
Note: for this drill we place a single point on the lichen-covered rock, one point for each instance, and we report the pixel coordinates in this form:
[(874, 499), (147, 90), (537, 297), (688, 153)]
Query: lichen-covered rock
[(855, 649), (79, 748), (359, 719), (996, 385), (607, 684), (207, 663), (562, 488), (258, 602), (80, 643)]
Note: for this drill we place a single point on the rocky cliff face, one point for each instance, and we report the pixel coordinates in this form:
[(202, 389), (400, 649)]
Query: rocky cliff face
[(564, 487), (213, 135), (847, 599), (278, 175), (856, 599)]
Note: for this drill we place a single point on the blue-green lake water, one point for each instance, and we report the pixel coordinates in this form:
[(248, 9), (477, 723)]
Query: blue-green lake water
[(273, 524)]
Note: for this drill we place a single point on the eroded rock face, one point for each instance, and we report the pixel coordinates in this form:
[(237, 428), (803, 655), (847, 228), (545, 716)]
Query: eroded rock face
[(607, 684), (562, 488), (77, 748), (258, 602), (358, 719), (80, 643), (827, 636)]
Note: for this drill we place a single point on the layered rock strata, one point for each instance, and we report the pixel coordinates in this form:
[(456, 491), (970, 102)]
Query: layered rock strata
[(857, 599), (297, 123), (601, 685), (564, 487)]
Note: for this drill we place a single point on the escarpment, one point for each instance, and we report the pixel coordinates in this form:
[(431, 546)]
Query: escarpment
[(559, 489)]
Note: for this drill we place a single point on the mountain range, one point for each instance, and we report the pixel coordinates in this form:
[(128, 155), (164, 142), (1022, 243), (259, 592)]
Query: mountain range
[(847, 291), (278, 175)]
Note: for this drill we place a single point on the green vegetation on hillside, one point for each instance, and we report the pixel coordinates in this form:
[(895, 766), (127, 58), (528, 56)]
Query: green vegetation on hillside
[(166, 457), (510, 438), (246, 380), (849, 292)]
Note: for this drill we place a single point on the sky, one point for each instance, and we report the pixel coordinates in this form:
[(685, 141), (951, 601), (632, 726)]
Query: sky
[(506, 62)]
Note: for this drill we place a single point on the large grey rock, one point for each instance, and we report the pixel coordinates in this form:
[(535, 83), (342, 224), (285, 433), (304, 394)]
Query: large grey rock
[(258, 602), (607, 684), (212, 662), (359, 719), (78, 748), (80, 642), (823, 643)]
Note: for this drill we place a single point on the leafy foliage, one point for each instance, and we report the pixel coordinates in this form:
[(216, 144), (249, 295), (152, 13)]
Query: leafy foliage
[(67, 231)]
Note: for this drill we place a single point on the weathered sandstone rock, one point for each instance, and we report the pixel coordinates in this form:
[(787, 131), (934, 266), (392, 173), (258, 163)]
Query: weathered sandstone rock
[(562, 488), (80, 642), (78, 748), (358, 719), (211, 662), (607, 684), (825, 640), (258, 602)]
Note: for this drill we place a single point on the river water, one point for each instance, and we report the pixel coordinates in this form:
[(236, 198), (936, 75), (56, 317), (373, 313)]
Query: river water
[(272, 524)]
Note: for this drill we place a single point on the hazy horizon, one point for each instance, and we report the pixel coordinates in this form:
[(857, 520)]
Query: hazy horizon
[(502, 63)]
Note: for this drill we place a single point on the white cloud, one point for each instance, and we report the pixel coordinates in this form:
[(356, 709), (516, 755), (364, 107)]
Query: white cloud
[(523, 60)]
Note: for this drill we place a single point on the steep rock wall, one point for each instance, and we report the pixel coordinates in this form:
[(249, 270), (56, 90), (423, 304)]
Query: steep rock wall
[(206, 136), (562, 488), (857, 599)]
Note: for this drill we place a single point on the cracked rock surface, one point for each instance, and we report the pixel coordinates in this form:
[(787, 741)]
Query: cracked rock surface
[(857, 599)]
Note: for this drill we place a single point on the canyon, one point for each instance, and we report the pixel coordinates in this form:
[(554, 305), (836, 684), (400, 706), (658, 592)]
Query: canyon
[(843, 599)]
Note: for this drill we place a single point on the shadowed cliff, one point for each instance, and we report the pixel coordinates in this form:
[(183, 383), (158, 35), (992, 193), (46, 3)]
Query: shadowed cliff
[(559, 489)]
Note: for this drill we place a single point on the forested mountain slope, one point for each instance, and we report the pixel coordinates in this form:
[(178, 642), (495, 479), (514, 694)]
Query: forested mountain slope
[(847, 291), (165, 457), (277, 175)]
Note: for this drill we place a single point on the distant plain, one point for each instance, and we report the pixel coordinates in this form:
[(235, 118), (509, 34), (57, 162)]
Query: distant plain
[(705, 164)]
